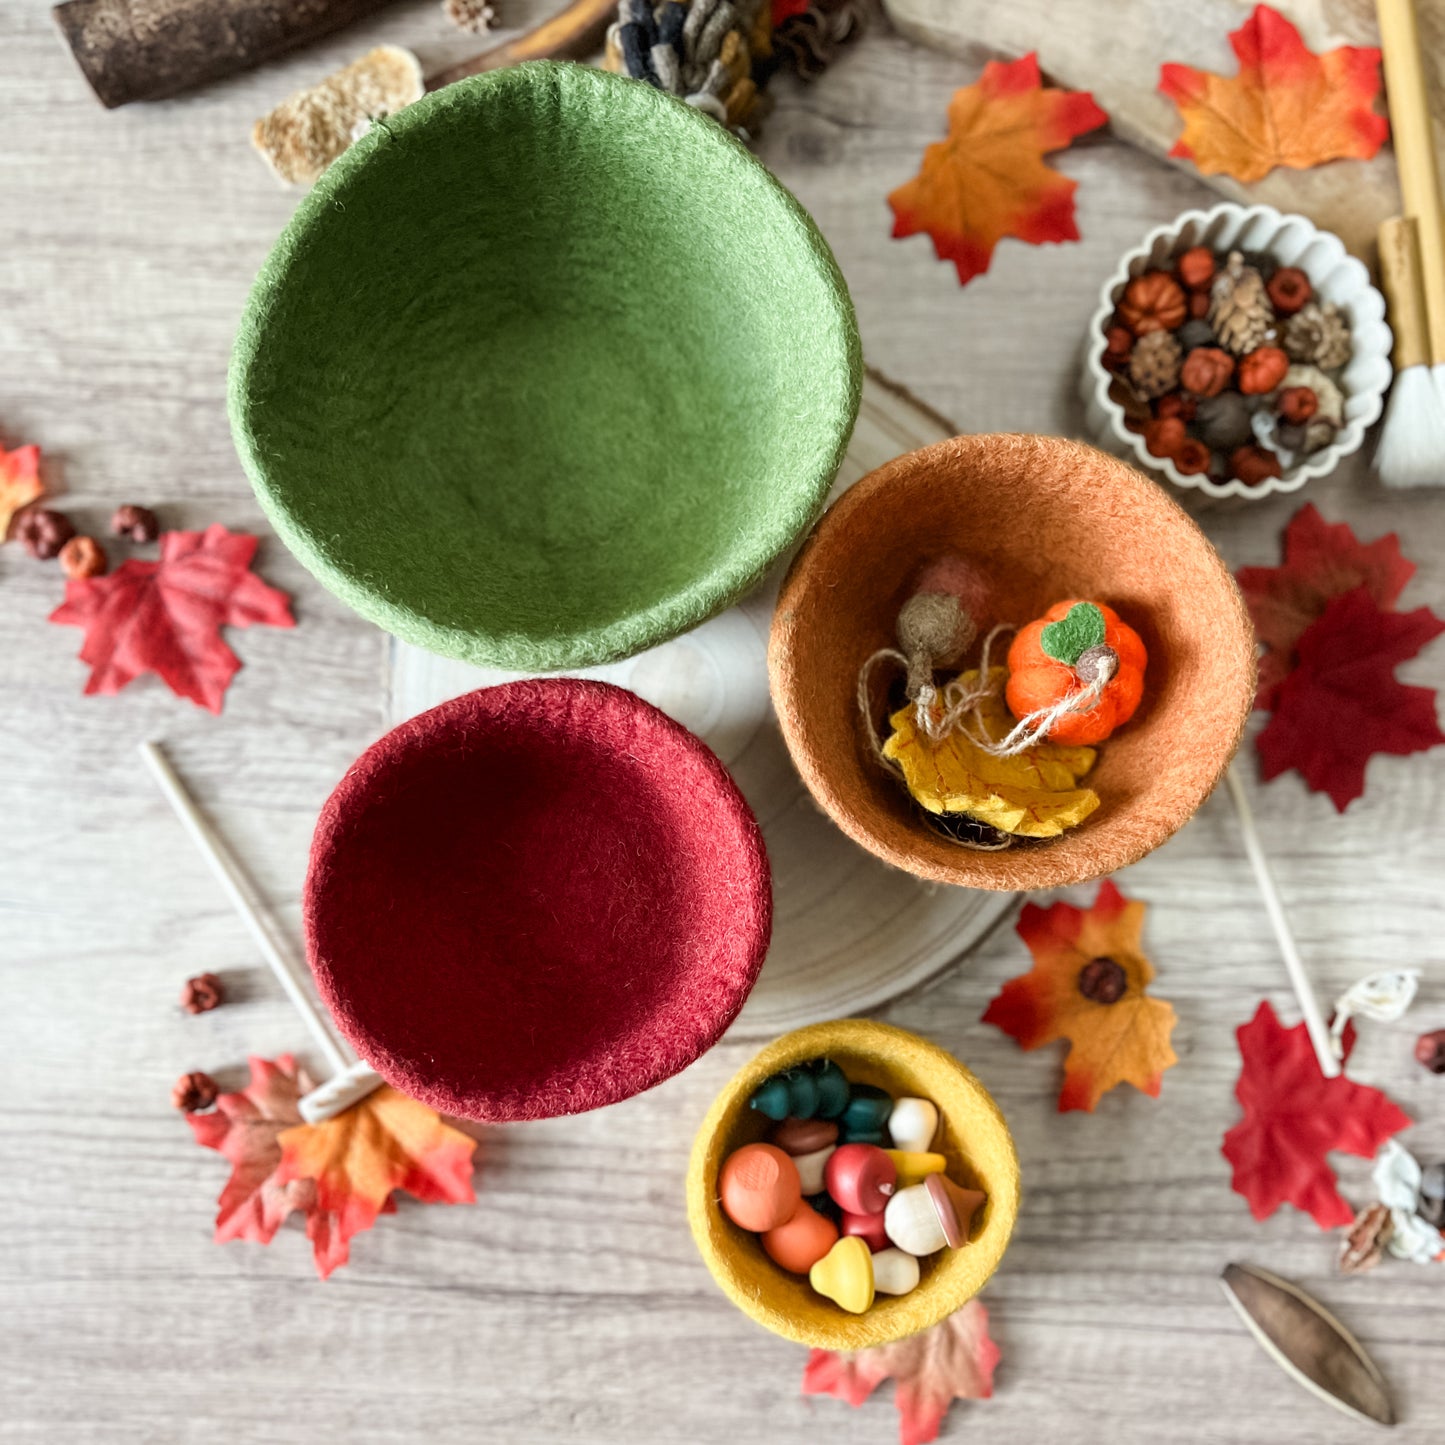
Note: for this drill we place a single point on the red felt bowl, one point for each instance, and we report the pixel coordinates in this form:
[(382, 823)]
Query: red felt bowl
[(536, 899)]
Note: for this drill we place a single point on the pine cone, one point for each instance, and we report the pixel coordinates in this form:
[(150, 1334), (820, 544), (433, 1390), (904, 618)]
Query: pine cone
[(476, 17), (1239, 307), (1318, 335), (1154, 363)]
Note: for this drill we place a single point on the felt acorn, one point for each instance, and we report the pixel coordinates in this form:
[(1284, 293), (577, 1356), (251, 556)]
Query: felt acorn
[(937, 623), (1073, 647)]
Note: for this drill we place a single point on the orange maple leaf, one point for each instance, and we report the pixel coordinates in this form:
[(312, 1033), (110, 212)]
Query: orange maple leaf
[(20, 483), (386, 1142), (1286, 107), (988, 179), (1121, 1042)]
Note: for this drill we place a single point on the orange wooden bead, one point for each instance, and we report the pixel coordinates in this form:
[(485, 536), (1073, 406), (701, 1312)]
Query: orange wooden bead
[(799, 1243), (759, 1187)]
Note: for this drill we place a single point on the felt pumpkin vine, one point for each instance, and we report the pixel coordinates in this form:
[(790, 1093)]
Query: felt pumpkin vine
[(994, 756)]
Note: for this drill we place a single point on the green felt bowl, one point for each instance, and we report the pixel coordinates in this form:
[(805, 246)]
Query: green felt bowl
[(546, 371)]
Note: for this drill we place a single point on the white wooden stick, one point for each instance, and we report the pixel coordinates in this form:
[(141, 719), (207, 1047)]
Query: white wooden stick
[(1314, 1020), (228, 874)]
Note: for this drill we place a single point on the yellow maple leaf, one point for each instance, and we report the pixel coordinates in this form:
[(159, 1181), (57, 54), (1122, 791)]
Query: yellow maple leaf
[(1117, 1037), (1034, 794), (20, 483)]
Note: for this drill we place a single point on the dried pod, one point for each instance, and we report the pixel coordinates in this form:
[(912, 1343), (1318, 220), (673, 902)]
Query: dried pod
[(1195, 267), (1289, 289), (83, 557), (43, 532), (1154, 364), (1262, 370), (140, 524), (1102, 980), (1206, 371), (1253, 465), (1153, 302)]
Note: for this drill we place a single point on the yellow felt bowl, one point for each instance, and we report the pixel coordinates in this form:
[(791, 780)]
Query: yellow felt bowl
[(974, 1139)]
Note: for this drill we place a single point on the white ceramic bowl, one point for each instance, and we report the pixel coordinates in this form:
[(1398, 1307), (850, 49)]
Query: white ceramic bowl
[(1293, 241)]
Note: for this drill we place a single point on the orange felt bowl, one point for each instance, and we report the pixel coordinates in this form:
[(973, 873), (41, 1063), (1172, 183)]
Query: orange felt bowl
[(1044, 519)]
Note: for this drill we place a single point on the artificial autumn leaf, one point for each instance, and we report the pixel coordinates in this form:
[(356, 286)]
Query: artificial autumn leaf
[(1126, 1041), (1342, 705), (987, 179), (953, 1360), (1033, 794), (1321, 560), (1286, 107), (1294, 1116), (356, 1160), (20, 483), (165, 617)]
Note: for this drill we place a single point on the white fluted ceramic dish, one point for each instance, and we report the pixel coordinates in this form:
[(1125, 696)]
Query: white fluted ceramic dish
[(1335, 276)]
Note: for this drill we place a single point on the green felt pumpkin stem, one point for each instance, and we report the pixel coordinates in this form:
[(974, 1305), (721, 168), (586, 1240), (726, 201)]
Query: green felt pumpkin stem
[(1081, 628)]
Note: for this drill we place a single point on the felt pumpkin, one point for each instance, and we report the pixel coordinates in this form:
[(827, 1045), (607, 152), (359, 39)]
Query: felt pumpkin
[(1061, 653), (1153, 302)]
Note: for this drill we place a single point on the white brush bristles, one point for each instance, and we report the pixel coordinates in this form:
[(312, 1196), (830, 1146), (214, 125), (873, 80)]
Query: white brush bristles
[(1411, 452)]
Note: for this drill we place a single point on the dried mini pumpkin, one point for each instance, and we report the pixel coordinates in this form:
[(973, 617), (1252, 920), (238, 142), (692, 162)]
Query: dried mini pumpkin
[(1253, 465), (1206, 371), (1192, 458), (1196, 267), (1164, 435), (1289, 289), (1065, 651), (1297, 404), (1176, 403), (1262, 370), (1153, 302)]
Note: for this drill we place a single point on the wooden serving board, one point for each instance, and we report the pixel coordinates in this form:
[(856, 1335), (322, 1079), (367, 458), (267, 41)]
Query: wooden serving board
[(1115, 50), (849, 932)]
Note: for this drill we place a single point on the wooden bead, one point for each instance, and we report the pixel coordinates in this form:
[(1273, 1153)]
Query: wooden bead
[(845, 1275), (799, 1243), (911, 1168), (811, 1167), (894, 1272), (860, 1177), (804, 1136), (759, 1187), (912, 1222), (869, 1228), (913, 1124)]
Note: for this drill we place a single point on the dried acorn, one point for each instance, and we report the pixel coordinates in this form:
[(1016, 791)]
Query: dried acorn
[(83, 557), (43, 532), (1153, 302), (140, 524)]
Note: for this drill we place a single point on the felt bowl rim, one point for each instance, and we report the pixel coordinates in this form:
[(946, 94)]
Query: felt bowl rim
[(466, 713), (710, 593), (1027, 869), (958, 1274)]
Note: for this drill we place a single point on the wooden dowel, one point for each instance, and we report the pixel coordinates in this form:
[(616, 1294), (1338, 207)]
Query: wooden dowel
[(576, 32), (149, 49), (1303, 991), (1415, 155), (1400, 281)]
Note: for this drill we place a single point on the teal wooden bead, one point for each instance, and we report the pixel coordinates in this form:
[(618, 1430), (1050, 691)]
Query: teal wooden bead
[(867, 1112), (773, 1098), (833, 1089)]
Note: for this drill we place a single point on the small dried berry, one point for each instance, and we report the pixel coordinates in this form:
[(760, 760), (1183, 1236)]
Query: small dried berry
[(1253, 465), (140, 524), (1164, 436), (43, 532), (1289, 289), (1196, 267), (1153, 302), (1206, 371), (1193, 457), (1101, 980), (1297, 404), (83, 557), (1198, 305), (1119, 342), (1430, 1051), (193, 1092), (1262, 370), (202, 993), (1176, 403)]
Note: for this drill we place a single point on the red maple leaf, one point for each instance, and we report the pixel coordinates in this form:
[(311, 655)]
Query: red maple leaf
[(987, 179), (165, 617), (1322, 560), (1293, 1116), (954, 1360), (1342, 704)]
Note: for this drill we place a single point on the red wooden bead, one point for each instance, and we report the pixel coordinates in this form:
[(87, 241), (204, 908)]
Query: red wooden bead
[(869, 1228), (860, 1177)]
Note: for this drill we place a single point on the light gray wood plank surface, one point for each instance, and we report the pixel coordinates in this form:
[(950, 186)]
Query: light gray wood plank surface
[(568, 1304)]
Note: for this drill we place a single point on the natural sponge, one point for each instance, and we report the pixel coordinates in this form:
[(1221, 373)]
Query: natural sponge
[(536, 899), (545, 370)]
